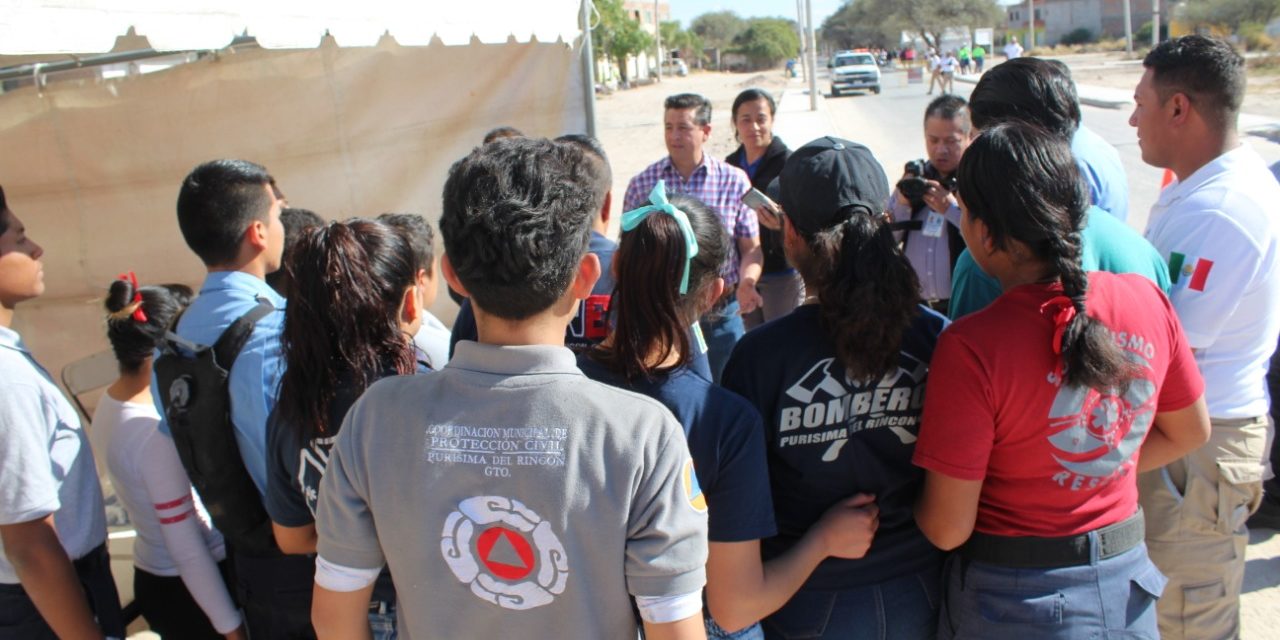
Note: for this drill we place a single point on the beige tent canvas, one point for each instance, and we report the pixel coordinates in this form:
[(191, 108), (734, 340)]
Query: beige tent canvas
[(363, 120)]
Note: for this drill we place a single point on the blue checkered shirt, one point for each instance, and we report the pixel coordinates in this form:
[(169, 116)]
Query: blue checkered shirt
[(718, 185)]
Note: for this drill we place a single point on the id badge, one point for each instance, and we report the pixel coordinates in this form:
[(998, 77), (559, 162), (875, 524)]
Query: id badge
[(933, 224)]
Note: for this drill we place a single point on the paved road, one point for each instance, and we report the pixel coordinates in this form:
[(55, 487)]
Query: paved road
[(890, 124)]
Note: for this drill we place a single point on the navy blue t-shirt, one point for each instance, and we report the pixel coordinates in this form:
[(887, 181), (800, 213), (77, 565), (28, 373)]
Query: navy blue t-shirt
[(829, 438), (726, 442), (295, 469), (588, 328)]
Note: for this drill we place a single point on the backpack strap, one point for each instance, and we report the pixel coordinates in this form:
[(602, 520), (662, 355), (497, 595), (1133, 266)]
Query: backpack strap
[(232, 340)]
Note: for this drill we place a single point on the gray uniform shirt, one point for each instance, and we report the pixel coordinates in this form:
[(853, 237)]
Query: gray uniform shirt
[(46, 465), (511, 496)]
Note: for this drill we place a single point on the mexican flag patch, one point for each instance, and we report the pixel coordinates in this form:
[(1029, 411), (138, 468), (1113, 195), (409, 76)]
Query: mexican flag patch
[(1194, 270)]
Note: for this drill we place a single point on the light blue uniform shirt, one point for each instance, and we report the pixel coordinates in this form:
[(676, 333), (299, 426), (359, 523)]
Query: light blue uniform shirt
[(1100, 165), (46, 465), (255, 376)]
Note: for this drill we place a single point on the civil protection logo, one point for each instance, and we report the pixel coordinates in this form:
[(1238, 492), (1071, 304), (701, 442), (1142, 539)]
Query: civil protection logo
[(692, 490), (1088, 427), (504, 552)]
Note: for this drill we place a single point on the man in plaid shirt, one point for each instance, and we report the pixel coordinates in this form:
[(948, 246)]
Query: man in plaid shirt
[(687, 170)]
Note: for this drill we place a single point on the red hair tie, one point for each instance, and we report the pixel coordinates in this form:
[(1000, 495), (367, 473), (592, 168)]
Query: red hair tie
[(138, 314), (1062, 311)]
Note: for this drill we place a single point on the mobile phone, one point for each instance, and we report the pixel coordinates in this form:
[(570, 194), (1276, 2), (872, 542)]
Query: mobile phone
[(757, 200)]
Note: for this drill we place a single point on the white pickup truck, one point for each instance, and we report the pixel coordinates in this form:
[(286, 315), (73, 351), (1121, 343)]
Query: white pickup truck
[(854, 70)]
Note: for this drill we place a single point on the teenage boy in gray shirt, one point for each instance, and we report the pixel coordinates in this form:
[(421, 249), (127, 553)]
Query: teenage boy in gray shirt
[(510, 495)]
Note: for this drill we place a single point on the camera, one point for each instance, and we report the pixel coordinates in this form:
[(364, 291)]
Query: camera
[(914, 186)]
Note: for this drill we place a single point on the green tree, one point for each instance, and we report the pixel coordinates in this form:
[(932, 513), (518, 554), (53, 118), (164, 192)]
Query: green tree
[(928, 18), (618, 36), (686, 42), (855, 25), (718, 28), (1230, 12), (768, 41)]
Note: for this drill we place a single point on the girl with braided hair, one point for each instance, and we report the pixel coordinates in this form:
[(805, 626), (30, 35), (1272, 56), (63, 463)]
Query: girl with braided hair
[(1042, 408)]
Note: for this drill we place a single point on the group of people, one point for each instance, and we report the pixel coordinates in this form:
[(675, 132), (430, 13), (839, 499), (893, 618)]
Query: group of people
[(792, 400)]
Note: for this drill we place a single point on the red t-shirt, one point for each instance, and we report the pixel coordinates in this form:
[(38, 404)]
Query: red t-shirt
[(1054, 460)]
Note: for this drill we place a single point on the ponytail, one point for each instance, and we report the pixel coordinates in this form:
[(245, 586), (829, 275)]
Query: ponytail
[(651, 318), (867, 290), (1022, 182), (137, 318), (349, 279)]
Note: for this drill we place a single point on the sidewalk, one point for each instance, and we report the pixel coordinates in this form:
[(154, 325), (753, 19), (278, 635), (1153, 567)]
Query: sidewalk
[(795, 122)]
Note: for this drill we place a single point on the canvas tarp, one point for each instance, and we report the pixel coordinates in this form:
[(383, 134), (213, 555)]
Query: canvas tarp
[(93, 168)]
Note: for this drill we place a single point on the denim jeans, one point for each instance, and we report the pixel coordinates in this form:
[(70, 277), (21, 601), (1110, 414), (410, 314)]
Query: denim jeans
[(715, 632), (722, 331), (902, 608), (383, 624), (1109, 598)]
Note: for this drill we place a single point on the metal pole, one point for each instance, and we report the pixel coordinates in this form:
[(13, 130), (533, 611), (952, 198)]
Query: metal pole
[(1155, 23), (588, 70), (1031, 25), (813, 57), (657, 37), (1128, 28)]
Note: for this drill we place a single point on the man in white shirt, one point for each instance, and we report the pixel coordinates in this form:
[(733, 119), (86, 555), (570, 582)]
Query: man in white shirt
[(1013, 49), (1218, 228)]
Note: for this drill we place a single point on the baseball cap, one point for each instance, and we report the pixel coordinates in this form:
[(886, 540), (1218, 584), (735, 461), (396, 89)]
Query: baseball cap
[(829, 181)]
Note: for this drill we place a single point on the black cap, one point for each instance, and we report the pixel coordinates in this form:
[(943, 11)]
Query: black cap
[(829, 181)]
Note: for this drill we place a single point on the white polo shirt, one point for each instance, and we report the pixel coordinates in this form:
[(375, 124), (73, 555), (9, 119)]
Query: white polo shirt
[(1220, 232), (46, 465)]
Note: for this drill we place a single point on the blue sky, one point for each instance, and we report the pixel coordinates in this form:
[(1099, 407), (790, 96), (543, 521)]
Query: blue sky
[(686, 10)]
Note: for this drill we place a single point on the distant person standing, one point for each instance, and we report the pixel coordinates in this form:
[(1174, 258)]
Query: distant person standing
[(964, 55), (761, 155), (979, 56), (1013, 49), (947, 66), (935, 72), (1218, 227), (687, 170)]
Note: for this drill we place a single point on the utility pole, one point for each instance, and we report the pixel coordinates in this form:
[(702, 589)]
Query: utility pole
[(813, 57), (1031, 25), (1128, 28), (1155, 23), (657, 37)]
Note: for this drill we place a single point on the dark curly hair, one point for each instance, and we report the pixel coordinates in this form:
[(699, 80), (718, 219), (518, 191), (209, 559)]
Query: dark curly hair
[(135, 341), (1022, 182), (349, 279), (516, 221), (648, 311), (867, 290)]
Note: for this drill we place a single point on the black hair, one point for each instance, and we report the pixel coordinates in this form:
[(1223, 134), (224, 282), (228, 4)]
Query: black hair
[(949, 106), (349, 279), (516, 220), (217, 203), (1032, 90), (649, 313), (134, 340), (1022, 182), (4, 206), (1207, 70), (417, 232), (598, 172), (700, 105), (867, 290), (294, 221), (502, 132)]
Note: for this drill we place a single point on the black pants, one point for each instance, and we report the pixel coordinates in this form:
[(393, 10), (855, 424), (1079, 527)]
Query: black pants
[(1271, 488), (275, 592), (20, 620), (169, 608)]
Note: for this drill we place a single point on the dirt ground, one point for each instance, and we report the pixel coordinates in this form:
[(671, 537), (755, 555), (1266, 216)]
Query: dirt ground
[(1113, 70)]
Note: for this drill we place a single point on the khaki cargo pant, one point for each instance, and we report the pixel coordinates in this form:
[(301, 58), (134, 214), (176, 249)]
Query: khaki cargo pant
[(1195, 509)]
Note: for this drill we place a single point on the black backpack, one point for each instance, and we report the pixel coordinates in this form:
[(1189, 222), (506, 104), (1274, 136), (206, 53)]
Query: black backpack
[(192, 384)]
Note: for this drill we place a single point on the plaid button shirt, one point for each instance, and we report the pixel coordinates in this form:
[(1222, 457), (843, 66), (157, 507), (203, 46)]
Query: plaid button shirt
[(714, 182)]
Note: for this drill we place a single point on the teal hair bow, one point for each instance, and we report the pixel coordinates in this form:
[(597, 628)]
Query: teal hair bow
[(658, 202)]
